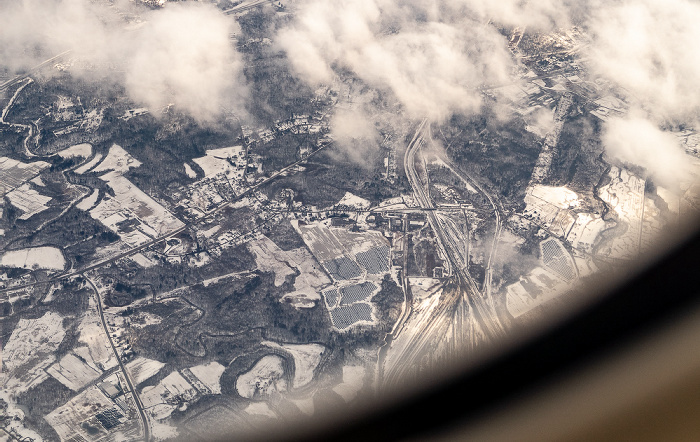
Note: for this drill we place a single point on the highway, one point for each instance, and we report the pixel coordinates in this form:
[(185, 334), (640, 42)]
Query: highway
[(127, 377)]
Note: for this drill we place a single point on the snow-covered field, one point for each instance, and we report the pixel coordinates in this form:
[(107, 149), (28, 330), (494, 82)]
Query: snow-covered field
[(270, 258), (353, 200), (218, 161), (210, 375), (28, 200), (308, 284), (117, 160), (131, 203), (534, 289), (14, 173), (93, 336), (265, 377), (78, 151), (260, 409), (72, 372), (49, 258), (189, 171), (89, 201), (306, 359), (141, 369), (162, 399), (29, 350)]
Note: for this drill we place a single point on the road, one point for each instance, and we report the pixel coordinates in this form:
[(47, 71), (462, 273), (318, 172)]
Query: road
[(127, 377), (170, 234)]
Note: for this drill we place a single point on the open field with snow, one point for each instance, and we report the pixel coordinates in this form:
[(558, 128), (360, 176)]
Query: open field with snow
[(310, 279), (550, 207), (353, 381), (29, 350), (209, 375), (73, 372), (78, 415), (49, 258), (28, 200), (142, 369), (14, 173), (117, 160), (161, 400), (78, 151), (132, 214), (306, 359), (223, 161), (265, 377), (93, 336)]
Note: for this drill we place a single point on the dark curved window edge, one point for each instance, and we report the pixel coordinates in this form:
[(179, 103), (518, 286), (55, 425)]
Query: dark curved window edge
[(651, 300)]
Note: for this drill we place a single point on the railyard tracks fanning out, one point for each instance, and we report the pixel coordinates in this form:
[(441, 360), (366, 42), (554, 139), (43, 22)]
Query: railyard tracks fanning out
[(461, 292)]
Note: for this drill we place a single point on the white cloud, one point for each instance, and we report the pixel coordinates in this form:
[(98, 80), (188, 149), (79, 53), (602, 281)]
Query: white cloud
[(431, 57), (649, 48), (636, 140), (355, 133), (180, 54)]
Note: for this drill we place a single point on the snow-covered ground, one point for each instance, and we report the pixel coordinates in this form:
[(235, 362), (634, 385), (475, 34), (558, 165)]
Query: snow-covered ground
[(162, 399), (625, 196), (218, 161), (210, 375), (78, 151), (260, 409), (131, 204), (266, 376), (306, 359), (117, 160), (28, 200), (142, 369), (49, 258), (89, 201), (308, 283), (353, 200), (29, 350), (15, 419), (189, 171), (95, 339), (67, 419), (72, 372)]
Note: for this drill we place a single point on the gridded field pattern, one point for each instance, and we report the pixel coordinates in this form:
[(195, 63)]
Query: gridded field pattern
[(331, 297), (375, 260), (555, 258), (342, 268), (357, 292), (345, 316), (13, 173)]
